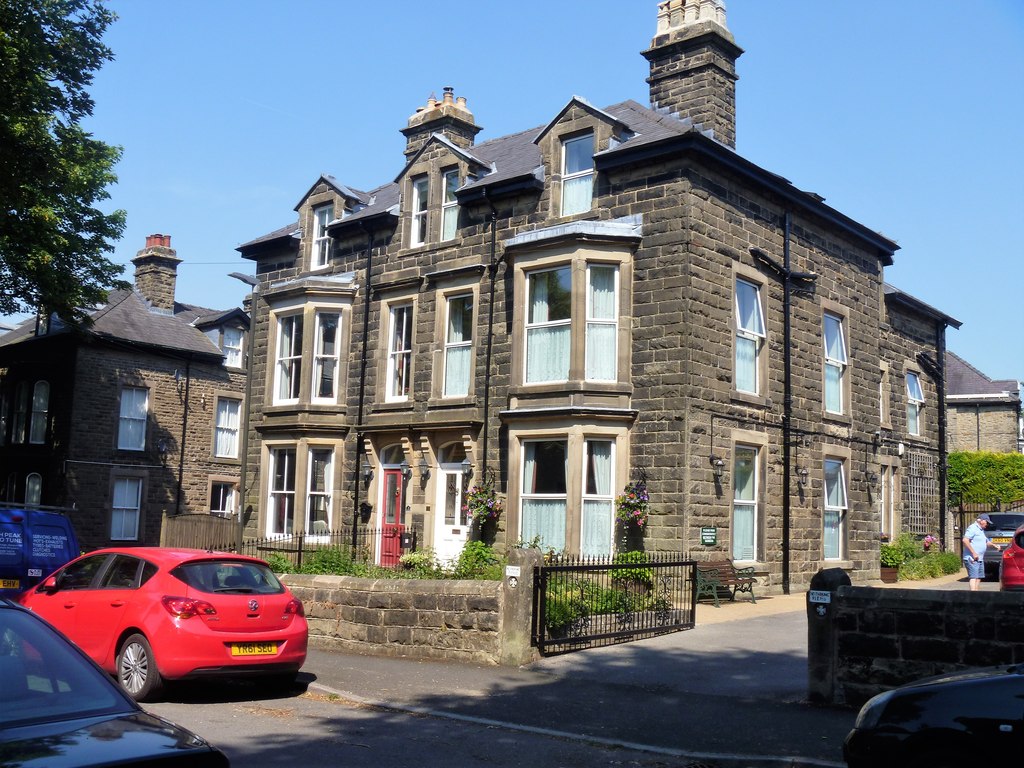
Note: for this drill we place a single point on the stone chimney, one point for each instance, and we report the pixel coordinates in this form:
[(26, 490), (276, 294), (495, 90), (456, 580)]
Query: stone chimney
[(156, 272), (693, 65), (449, 117)]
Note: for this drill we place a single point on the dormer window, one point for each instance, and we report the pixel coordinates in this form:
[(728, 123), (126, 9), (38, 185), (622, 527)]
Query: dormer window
[(450, 206), (232, 347), (577, 174), (322, 216), (420, 200)]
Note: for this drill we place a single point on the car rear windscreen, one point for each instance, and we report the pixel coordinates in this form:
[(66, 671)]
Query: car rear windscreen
[(220, 576)]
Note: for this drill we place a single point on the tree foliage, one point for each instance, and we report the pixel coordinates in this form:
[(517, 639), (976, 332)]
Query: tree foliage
[(52, 172), (980, 476)]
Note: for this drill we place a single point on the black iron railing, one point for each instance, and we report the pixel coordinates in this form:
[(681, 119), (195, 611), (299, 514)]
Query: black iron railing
[(368, 545), (588, 602)]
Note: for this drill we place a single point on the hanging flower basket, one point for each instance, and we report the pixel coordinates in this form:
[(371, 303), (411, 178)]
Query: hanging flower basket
[(631, 507), (482, 503)]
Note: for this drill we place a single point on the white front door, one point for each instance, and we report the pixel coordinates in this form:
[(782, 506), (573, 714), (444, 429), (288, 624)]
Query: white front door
[(452, 523)]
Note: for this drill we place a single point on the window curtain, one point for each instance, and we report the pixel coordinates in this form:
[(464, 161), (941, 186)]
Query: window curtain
[(577, 194), (744, 506), (227, 427), (833, 388), (124, 519), (835, 504), (132, 425), (602, 326), (746, 364), (545, 518), (596, 536), (547, 348), (458, 352)]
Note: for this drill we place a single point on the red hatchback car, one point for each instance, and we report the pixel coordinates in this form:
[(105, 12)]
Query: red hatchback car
[(1011, 570), (149, 614)]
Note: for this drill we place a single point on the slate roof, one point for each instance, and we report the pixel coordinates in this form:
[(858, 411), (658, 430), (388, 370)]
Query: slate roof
[(128, 318), (964, 381)]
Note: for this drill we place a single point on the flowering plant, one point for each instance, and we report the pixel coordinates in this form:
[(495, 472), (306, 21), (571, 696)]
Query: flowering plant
[(631, 505), (927, 541), (482, 503)]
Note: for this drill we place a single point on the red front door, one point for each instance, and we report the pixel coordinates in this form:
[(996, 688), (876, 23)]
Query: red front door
[(391, 525)]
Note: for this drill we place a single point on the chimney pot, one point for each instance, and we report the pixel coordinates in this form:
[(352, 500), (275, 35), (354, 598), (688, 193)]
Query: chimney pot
[(159, 241)]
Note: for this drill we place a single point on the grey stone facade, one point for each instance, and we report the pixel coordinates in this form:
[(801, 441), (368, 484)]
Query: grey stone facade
[(570, 399)]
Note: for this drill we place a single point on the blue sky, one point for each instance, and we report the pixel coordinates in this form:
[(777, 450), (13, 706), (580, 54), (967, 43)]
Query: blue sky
[(906, 115)]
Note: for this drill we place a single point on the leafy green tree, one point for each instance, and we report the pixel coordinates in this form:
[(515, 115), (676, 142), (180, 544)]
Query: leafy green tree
[(52, 172)]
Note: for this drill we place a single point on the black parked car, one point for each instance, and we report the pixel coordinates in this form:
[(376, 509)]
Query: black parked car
[(971, 718), (60, 710), (1000, 531)]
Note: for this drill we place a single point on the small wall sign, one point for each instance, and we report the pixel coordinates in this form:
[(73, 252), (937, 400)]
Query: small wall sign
[(709, 536)]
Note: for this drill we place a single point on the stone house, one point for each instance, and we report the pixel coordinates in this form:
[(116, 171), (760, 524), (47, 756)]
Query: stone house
[(612, 297), (132, 418), (984, 414)]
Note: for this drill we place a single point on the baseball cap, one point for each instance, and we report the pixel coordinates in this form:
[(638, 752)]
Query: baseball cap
[(984, 516)]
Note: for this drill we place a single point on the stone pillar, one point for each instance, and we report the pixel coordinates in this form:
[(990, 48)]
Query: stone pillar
[(517, 607), (821, 634)]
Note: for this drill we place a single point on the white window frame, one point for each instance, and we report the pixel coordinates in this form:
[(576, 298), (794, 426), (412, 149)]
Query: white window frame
[(597, 506), (288, 358), (750, 332), (131, 430), (282, 490), (598, 352), (399, 364), (573, 180), (544, 326), (836, 505), (746, 551), (227, 426), (420, 211), (126, 509), (319, 493), (915, 402), (450, 205), (454, 387), (40, 416), (557, 540), (323, 359), (33, 489), (835, 361), (233, 345), (322, 216)]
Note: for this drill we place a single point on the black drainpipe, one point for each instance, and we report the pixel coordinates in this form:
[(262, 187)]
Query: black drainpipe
[(184, 430), (362, 387), (493, 271), (940, 350), (787, 403)]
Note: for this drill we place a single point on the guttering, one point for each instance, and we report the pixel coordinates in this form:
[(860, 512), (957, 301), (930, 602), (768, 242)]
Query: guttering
[(699, 144)]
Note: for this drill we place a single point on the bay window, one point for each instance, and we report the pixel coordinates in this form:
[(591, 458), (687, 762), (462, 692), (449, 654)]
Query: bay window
[(281, 517), (288, 369), (548, 325), (598, 498), (318, 499), (543, 498), (326, 356), (602, 323)]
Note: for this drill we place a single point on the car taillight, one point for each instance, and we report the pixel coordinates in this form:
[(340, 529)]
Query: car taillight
[(294, 608), (187, 607)]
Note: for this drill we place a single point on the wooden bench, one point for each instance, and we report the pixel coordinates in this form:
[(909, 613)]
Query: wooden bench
[(723, 575)]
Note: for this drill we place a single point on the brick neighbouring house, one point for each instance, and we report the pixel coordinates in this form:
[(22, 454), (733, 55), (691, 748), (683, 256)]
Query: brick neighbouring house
[(570, 308), (984, 414), (95, 419)]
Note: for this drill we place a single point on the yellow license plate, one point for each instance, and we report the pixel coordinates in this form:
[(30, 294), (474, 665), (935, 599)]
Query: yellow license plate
[(1001, 539), (9, 583), (253, 649)]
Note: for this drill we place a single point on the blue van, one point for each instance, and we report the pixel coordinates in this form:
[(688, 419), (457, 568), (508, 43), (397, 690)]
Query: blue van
[(33, 544)]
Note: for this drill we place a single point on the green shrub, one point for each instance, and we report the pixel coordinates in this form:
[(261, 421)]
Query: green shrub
[(930, 566), (279, 563), (478, 561), (643, 577), (327, 561), (421, 564)]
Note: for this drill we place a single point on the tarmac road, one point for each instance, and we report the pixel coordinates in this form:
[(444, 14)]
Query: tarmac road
[(727, 693)]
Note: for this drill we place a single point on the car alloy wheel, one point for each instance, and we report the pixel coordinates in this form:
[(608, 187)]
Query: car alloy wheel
[(136, 669)]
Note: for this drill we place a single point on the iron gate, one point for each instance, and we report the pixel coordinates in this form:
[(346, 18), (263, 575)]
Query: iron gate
[(586, 602)]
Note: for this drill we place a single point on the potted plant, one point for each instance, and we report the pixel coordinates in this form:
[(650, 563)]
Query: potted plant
[(891, 556)]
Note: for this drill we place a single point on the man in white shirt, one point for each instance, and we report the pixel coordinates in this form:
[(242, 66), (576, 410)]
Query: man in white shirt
[(975, 544)]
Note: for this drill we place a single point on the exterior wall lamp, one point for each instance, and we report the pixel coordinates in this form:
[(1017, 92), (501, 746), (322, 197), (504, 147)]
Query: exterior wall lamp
[(872, 478), (717, 466), (367, 473), (424, 468), (801, 476), (467, 468), (406, 470)]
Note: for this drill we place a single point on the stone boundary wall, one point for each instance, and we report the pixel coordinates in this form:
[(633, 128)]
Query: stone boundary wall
[(482, 622), (873, 639)]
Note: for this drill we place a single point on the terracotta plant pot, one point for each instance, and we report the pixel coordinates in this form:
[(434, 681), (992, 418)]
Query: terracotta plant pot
[(890, 575)]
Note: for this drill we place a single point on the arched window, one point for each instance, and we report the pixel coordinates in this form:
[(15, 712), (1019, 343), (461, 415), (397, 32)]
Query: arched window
[(33, 489)]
